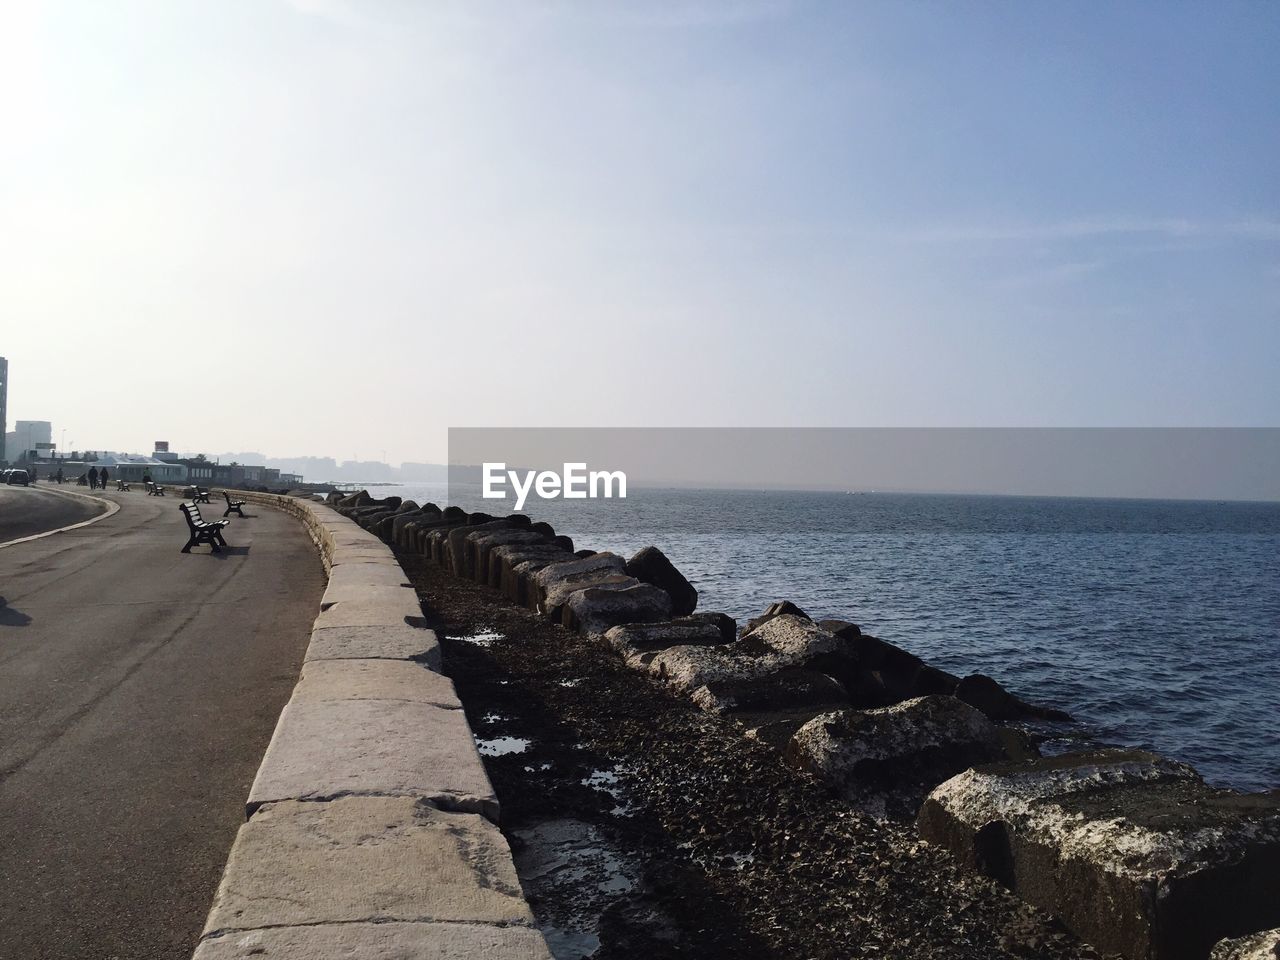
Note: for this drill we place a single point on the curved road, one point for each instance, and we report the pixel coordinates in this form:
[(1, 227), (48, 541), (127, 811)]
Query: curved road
[(28, 510), (138, 689)]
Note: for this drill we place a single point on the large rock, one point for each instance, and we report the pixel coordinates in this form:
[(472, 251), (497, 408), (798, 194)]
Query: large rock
[(512, 565), (483, 545), (1259, 946), (784, 642), (650, 565), (776, 609), (596, 609), (636, 643), (996, 702), (460, 558), (581, 571), (1135, 853), (366, 860), (888, 759)]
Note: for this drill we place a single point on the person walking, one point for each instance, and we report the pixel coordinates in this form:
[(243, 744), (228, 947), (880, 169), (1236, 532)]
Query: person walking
[(93, 478), (59, 476), (103, 476)]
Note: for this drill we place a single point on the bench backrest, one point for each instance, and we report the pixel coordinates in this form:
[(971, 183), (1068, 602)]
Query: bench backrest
[(192, 513)]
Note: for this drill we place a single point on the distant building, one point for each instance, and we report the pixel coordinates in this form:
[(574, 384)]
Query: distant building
[(4, 405), (28, 435), (131, 467)]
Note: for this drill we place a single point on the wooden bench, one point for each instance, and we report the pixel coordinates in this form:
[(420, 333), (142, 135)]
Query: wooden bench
[(122, 484), (201, 495), (232, 505), (202, 530), (154, 489)]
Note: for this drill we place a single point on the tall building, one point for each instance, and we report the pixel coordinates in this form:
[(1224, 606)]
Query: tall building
[(28, 435), (4, 405)]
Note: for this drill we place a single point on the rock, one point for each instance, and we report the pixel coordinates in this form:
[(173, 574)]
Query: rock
[(930, 682), (481, 545), (545, 529), (459, 556), (997, 703), (582, 570), (638, 641), (650, 565), (1135, 853), (887, 760), (783, 643), (564, 543), (596, 609), (727, 626), (788, 690), (1259, 946), (980, 691), (511, 567), (775, 609), (841, 628)]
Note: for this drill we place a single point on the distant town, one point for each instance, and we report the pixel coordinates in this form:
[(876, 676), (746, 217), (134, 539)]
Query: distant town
[(30, 445)]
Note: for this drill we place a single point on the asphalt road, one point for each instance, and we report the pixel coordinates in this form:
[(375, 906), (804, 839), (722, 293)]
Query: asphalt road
[(138, 689), (28, 510)]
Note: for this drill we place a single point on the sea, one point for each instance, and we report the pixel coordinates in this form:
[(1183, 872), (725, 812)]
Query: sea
[(1154, 623)]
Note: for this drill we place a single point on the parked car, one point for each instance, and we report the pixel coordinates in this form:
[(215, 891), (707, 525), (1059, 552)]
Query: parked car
[(16, 477)]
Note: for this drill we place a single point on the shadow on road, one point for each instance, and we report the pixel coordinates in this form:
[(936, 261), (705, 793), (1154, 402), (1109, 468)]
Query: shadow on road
[(10, 617)]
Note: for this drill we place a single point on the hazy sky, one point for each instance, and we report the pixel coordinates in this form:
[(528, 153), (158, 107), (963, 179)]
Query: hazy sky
[(338, 228)]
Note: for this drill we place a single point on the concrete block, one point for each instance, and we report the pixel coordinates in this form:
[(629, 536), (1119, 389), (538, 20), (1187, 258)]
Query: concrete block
[(1135, 853), (324, 749), (399, 609), (375, 680), (390, 641), (366, 859), (351, 587), (378, 941)]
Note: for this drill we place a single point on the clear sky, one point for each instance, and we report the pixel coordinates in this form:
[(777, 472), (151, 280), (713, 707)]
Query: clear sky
[(318, 227)]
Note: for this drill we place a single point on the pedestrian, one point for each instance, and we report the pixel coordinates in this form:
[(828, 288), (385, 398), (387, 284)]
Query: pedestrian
[(59, 476), (103, 477), (146, 478), (93, 478)]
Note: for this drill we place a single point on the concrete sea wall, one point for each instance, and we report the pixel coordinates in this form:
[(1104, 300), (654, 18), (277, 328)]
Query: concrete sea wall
[(371, 828)]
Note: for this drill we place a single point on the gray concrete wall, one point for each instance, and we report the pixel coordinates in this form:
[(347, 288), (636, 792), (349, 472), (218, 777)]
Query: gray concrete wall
[(371, 829)]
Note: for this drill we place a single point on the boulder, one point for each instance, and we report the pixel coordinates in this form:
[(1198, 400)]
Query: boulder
[(580, 570), (997, 703), (887, 760), (459, 556), (785, 690), (727, 626), (1259, 946), (650, 565), (638, 642), (596, 609), (841, 628), (511, 566), (783, 643), (1135, 853), (481, 545), (776, 609)]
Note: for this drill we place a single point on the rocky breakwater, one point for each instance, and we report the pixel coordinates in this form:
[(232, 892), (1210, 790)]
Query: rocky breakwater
[(1134, 853), (371, 828)]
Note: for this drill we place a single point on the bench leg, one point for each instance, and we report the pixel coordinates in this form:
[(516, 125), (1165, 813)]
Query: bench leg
[(190, 543)]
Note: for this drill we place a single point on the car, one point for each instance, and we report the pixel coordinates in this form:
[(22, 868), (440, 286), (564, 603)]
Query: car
[(16, 477)]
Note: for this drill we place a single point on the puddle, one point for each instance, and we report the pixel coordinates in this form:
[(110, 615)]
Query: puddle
[(606, 781), (494, 718), (501, 746), (575, 871), (569, 683), (485, 638)]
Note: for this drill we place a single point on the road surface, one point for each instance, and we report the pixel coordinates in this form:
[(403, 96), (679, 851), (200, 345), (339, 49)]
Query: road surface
[(138, 689), (34, 509)]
